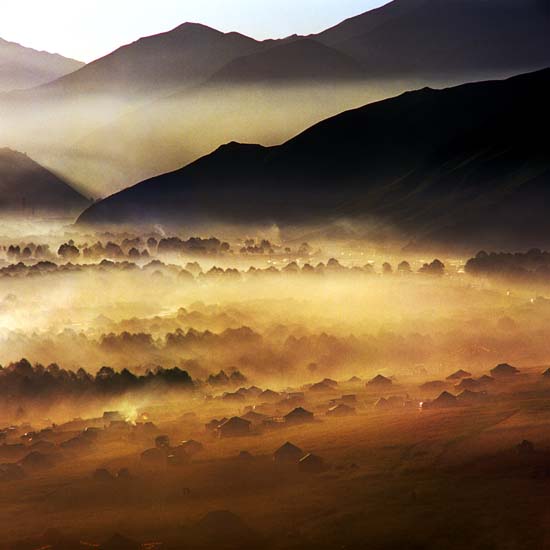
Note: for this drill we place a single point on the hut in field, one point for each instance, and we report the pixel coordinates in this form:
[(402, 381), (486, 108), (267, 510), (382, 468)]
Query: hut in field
[(191, 447), (288, 454), (299, 415), (341, 410), (234, 427), (504, 370), (255, 418), (311, 464), (459, 375), (445, 400), (379, 381)]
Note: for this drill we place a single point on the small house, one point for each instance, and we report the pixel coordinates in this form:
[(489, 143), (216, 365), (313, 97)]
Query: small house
[(299, 415), (379, 381), (234, 427), (288, 454), (311, 464), (341, 410)]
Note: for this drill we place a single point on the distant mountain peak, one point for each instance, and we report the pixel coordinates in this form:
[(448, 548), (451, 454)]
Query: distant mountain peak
[(198, 27), (22, 67)]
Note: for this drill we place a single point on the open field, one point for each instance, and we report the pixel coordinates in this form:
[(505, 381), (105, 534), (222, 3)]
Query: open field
[(403, 456)]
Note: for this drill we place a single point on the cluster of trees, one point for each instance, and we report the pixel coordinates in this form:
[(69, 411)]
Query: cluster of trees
[(27, 251), (23, 380), (194, 245), (231, 337), (193, 270), (49, 267), (531, 265), (234, 378)]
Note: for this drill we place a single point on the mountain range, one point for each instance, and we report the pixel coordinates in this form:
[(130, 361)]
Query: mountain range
[(467, 164), (27, 188), (166, 100), (22, 67), (403, 37)]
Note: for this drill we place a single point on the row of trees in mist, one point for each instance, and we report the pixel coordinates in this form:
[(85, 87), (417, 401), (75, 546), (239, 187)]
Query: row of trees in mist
[(142, 248), (193, 270), (533, 265), (21, 379)]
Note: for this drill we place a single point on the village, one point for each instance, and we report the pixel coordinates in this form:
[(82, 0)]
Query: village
[(215, 458)]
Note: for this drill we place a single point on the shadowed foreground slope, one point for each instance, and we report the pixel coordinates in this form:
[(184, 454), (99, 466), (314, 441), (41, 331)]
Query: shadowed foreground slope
[(25, 186), (425, 160)]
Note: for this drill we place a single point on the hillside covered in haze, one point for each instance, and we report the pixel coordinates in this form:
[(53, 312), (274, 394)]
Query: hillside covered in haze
[(165, 100), (465, 163), (27, 188), (22, 67)]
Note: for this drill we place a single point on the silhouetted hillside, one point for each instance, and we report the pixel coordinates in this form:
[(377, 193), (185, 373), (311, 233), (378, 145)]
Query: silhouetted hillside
[(428, 160), (22, 67), (166, 100), (26, 187), (446, 37), (182, 57), (402, 38), (366, 22), (298, 60)]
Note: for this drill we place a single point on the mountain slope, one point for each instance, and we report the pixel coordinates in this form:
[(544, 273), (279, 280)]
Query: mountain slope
[(26, 187), (156, 64), (168, 99), (366, 22), (22, 67), (419, 161), (468, 37), (296, 61)]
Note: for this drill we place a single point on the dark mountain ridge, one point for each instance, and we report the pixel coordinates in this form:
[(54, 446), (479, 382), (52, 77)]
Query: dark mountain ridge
[(27, 187), (181, 57), (446, 37), (399, 39), (423, 161)]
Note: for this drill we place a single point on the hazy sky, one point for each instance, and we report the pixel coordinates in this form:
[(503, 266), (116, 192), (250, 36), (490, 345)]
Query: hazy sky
[(88, 29)]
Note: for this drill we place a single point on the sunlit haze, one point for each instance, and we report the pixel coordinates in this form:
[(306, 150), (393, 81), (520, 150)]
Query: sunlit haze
[(274, 274), (91, 29)]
